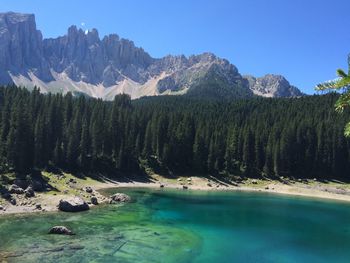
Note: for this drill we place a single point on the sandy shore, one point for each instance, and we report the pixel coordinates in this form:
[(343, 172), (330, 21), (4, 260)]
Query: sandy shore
[(48, 201)]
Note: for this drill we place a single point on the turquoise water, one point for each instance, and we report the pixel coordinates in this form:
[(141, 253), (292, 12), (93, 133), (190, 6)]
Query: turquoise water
[(186, 226)]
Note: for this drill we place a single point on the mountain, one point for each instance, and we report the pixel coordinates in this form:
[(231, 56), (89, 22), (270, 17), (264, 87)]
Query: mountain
[(272, 86), (82, 62)]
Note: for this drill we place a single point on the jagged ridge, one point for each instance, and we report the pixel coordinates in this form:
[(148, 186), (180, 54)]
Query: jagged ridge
[(83, 62)]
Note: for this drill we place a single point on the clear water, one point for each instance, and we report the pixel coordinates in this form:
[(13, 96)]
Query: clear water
[(186, 226)]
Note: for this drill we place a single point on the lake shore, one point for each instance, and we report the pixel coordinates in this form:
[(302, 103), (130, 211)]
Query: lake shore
[(48, 201)]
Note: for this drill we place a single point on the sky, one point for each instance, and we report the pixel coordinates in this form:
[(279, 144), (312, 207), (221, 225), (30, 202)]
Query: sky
[(304, 40)]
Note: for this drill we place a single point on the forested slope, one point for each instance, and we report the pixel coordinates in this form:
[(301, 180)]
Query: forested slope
[(300, 137)]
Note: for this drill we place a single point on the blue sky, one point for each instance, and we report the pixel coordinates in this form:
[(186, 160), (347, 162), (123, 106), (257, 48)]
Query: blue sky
[(304, 40)]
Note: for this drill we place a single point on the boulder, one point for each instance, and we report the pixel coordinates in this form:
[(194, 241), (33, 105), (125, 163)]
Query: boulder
[(75, 204), (1, 207), (119, 198), (184, 187), (38, 206), (209, 184), (88, 189), (94, 200), (161, 185), (29, 192), (71, 180), (254, 181), (13, 201), (60, 230), (15, 189)]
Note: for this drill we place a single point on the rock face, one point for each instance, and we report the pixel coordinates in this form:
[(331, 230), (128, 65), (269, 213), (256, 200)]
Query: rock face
[(75, 204), (60, 230), (272, 86), (21, 47), (119, 198), (82, 62)]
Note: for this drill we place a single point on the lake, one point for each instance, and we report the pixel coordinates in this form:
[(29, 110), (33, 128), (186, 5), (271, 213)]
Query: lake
[(186, 226)]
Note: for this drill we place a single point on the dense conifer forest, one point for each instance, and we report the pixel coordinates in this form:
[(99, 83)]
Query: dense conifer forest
[(300, 137)]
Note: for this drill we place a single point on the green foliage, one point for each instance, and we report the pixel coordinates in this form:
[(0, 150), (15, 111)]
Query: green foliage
[(343, 84), (300, 137)]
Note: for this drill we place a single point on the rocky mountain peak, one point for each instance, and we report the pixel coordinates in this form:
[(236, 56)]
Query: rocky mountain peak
[(272, 86), (82, 61), (21, 47), (15, 18)]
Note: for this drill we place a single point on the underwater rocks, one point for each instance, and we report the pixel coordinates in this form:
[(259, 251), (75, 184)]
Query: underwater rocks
[(60, 230), (75, 204), (119, 198)]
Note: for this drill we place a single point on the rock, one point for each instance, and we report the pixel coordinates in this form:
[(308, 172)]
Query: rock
[(60, 230), (254, 181), (161, 186), (13, 201), (1, 207), (209, 184), (189, 179), (119, 198), (88, 189), (71, 180), (15, 189), (29, 192), (184, 187), (180, 179), (38, 206), (94, 200), (75, 204), (266, 188)]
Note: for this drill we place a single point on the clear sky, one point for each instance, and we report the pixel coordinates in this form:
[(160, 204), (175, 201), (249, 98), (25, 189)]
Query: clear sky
[(304, 40)]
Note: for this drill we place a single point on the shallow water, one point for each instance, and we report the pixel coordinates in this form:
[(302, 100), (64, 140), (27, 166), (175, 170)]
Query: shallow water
[(186, 226)]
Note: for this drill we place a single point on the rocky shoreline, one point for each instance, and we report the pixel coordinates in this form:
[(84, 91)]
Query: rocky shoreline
[(73, 194)]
